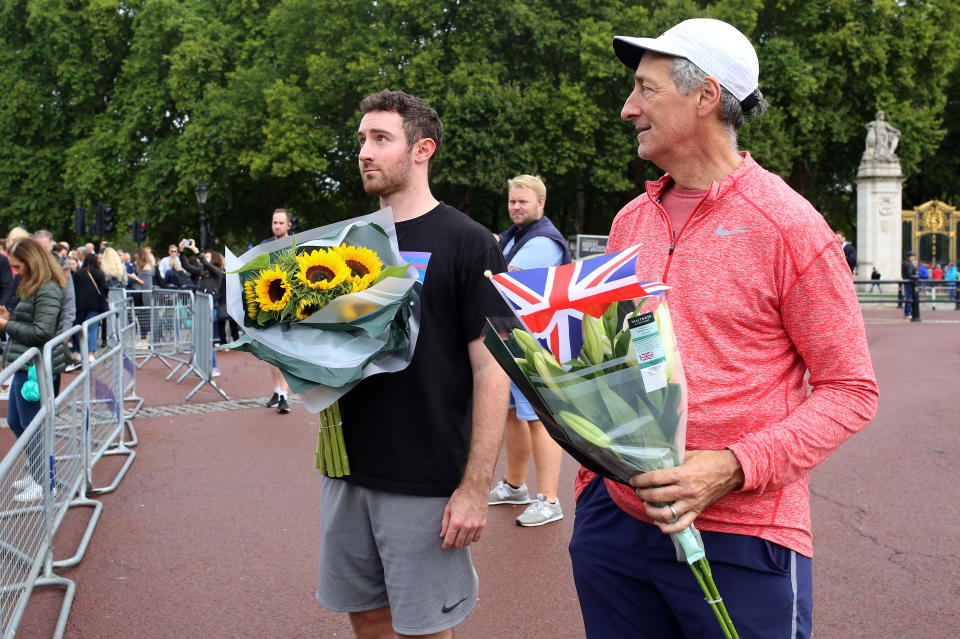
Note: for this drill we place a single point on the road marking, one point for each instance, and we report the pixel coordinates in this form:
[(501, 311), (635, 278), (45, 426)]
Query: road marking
[(208, 407)]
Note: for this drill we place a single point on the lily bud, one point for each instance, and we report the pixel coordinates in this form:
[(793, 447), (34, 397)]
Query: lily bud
[(585, 429), (547, 367), (526, 342), (592, 342), (665, 329)]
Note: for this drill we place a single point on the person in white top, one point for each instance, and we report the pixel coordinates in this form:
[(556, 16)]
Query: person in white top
[(173, 254)]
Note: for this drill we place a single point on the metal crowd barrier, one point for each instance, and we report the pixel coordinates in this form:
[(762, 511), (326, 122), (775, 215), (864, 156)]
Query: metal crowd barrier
[(202, 345), (104, 397), (171, 328), (59, 448), (27, 526), (143, 319), (88, 421), (916, 291), (164, 318), (129, 333), (176, 327)]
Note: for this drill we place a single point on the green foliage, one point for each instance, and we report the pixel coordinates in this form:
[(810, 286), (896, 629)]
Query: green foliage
[(134, 103), (829, 66)]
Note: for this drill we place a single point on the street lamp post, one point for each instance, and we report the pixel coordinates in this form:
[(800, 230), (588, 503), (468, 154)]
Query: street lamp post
[(201, 193)]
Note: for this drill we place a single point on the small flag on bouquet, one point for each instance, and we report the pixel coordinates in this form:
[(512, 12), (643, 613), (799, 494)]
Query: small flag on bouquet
[(551, 301)]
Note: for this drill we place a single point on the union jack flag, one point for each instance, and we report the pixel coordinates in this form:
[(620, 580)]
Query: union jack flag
[(551, 301)]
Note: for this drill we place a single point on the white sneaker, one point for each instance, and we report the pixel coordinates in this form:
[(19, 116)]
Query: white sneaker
[(91, 357), (215, 372), (23, 482), (32, 492), (540, 512), (504, 493)]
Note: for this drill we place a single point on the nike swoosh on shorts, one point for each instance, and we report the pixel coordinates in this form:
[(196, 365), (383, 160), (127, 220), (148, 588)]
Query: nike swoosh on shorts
[(444, 609)]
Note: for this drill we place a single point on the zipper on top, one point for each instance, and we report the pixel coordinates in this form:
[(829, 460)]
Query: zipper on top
[(674, 240)]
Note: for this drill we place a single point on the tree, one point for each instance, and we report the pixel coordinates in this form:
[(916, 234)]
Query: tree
[(829, 66), (134, 103), (57, 68)]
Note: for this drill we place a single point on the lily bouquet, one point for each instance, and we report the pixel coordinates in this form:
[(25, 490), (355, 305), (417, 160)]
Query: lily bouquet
[(603, 374), (327, 307)]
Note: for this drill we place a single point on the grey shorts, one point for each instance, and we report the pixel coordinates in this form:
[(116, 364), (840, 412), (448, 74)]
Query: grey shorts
[(382, 549)]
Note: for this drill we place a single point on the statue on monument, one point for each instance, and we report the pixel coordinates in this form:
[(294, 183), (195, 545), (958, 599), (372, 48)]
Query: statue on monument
[(882, 139)]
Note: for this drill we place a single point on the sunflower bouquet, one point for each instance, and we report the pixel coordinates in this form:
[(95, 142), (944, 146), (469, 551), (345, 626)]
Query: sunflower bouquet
[(300, 281), (328, 307)]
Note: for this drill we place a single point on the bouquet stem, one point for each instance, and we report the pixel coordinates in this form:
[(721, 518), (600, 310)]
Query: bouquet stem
[(704, 577), (689, 544), (331, 457)]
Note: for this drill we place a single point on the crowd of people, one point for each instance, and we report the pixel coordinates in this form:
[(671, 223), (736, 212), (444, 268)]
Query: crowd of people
[(89, 271), (930, 276), (47, 287), (937, 271)]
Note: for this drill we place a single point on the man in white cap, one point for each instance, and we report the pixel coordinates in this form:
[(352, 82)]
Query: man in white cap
[(761, 298)]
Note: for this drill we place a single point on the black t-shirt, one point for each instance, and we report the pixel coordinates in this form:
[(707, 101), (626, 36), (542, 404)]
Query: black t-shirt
[(409, 432)]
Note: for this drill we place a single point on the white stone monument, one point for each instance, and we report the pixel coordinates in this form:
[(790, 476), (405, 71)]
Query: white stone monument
[(879, 190)]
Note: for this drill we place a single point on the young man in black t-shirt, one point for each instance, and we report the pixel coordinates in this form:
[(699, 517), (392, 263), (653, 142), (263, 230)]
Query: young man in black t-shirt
[(422, 442)]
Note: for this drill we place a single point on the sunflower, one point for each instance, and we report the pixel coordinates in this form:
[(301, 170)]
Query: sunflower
[(307, 307), (250, 294), (361, 261), (272, 289), (321, 270), (358, 284)]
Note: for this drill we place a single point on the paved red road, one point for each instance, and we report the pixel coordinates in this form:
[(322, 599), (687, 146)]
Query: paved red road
[(213, 532)]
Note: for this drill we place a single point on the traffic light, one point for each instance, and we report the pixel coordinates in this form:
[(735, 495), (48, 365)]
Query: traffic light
[(141, 230), (79, 221), (133, 229), (98, 220), (106, 224)]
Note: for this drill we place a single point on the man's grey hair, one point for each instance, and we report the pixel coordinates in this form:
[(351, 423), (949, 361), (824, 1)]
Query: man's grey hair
[(687, 76), (43, 233)]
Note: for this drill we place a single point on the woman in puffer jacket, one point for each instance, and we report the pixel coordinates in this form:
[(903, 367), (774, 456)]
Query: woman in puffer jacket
[(37, 319)]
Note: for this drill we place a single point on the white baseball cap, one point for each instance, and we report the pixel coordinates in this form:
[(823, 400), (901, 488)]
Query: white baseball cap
[(718, 48)]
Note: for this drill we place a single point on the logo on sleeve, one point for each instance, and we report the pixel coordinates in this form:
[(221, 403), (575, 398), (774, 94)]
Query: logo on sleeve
[(722, 231)]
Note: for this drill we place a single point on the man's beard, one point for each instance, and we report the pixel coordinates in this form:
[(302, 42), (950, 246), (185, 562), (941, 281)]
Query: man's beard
[(388, 181)]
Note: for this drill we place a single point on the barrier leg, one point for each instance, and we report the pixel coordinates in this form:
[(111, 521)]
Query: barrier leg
[(70, 590), (119, 450), (216, 387), (87, 533)]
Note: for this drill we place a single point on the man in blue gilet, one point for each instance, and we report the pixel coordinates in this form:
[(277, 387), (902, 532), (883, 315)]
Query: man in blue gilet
[(532, 242)]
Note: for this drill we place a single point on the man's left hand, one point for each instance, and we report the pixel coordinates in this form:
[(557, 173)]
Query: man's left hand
[(464, 518), (704, 477)]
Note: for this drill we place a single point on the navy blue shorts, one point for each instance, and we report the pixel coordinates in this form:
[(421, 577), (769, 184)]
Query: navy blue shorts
[(631, 585)]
